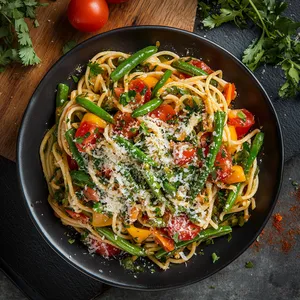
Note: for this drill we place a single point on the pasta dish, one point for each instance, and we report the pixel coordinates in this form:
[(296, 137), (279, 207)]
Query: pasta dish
[(148, 157)]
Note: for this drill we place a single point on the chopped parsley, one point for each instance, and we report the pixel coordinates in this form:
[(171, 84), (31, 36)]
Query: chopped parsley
[(175, 237), (71, 241), (127, 97), (95, 68), (98, 207), (242, 116), (215, 257), (75, 78), (249, 265), (68, 46)]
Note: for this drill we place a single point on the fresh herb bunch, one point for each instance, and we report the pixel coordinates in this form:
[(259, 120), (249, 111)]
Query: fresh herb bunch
[(278, 43), (15, 41)]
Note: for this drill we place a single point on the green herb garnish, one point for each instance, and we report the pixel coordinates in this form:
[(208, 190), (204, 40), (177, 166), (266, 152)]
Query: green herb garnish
[(215, 257)]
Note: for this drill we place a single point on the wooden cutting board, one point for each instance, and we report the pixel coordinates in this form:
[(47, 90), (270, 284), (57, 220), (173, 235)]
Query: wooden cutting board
[(18, 83)]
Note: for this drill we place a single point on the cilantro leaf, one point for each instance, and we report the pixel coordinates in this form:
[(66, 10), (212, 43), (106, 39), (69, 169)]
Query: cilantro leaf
[(68, 46), (249, 265), (278, 43), (16, 43), (95, 68)]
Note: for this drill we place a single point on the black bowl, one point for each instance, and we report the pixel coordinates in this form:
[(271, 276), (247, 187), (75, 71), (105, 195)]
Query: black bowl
[(39, 117)]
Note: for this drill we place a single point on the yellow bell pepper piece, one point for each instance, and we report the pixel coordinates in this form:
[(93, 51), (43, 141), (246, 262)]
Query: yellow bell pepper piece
[(233, 137), (150, 81), (138, 234), (236, 176), (101, 220), (91, 118), (232, 131)]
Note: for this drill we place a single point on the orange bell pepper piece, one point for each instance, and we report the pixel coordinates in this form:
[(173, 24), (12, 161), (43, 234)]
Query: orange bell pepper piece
[(236, 176)]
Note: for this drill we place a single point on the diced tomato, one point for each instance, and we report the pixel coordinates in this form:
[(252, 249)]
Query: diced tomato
[(202, 65), (90, 194), (223, 164), (118, 91), (72, 163), (162, 239), (242, 120), (143, 92), (184, 76), (126, 124), (182, 226), (183, 153), (78, 216), (107, 173), (165, 112), (102, 248), (88, 132), (205, 141)]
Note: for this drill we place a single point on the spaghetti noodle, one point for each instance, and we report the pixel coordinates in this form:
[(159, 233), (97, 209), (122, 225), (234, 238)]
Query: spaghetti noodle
[(148, 156)]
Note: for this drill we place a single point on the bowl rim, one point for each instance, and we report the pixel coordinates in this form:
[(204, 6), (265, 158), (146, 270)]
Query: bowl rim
[(26, 198)]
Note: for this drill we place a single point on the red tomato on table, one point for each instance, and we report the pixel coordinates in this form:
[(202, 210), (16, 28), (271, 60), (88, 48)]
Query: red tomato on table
[(165, 112), (242, 120), (182, 226), (88, 15), (116, 1), (183, 153), (126, 125)]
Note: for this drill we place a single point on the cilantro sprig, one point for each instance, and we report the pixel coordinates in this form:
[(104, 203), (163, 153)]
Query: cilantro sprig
[(277, 44), (15, 42)]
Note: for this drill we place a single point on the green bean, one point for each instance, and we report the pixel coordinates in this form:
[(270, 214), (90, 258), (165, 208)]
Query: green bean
[(187, 68), (95, 109), (254, 150), (213, 151), (61, 98), (120, 242), (202, 236), (131, 62), (69, 135), (169, 188), (134, 151), (80, 178), (147, 107), (130, 179), (161, 82), (152, 182)]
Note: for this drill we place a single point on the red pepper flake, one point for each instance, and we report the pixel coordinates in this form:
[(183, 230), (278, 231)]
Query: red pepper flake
[(285, 246), (277, 218)]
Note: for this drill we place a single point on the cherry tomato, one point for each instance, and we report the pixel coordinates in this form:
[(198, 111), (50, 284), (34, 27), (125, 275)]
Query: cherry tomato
[(223, 164), (102, 248), (87, 135), (202, 65), (72, 163), (78, 216), (118, 91), (162, 239), (165, 112), (143, 92), (182, 226), (205, 141), (183, 153), (126, 124), (242, 120), (90, 194), (116, 1), (88, 15)]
